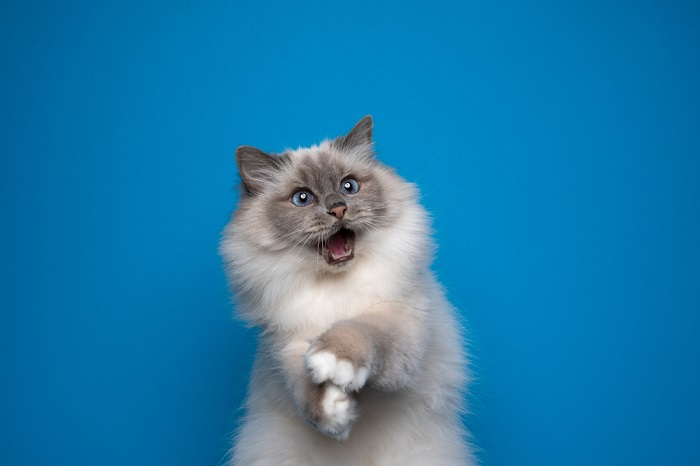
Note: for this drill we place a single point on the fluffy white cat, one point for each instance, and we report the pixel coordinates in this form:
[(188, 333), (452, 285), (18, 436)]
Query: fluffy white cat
[(360, 359)]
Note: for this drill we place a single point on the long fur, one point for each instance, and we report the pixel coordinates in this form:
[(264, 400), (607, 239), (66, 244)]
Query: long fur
[(363, 365)]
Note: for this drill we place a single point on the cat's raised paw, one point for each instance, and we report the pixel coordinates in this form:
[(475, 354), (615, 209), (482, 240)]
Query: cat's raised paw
[(325, 366), (339, 412)]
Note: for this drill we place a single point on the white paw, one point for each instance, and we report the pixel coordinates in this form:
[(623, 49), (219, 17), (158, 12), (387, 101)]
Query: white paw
[(324, 365), (339, 412)]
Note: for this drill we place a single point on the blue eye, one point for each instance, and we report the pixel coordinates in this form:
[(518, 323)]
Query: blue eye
[(302, 198), (349, 186)]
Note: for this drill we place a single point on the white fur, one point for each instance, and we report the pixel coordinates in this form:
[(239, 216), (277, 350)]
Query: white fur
[(417, 425), (338, 407), (324, 366)]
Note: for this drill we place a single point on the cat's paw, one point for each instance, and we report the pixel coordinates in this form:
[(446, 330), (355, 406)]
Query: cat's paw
[(324, 365), (336, 411)]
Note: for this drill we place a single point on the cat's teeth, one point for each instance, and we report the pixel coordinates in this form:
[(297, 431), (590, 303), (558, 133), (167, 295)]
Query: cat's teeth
[(339, 247), (343, 255)]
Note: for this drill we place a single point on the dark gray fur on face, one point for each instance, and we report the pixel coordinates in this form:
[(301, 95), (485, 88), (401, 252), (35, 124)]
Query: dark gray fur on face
[(273, 179)]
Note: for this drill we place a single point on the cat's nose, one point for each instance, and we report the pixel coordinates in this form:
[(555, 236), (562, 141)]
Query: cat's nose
[(338, 210)]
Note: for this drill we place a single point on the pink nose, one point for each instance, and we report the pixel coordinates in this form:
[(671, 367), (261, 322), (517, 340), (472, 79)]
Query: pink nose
[(338, 211)]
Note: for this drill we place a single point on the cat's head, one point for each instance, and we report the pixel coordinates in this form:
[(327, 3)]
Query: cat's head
[(317, 204)]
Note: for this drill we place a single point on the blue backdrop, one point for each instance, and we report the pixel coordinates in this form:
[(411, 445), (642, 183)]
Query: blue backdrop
[(557, 144)]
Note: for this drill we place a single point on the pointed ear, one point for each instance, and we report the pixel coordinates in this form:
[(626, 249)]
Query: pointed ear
[(255, 167), (359, 135)]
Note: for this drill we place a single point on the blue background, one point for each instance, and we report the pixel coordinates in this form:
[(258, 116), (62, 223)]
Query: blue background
[(556, 143)]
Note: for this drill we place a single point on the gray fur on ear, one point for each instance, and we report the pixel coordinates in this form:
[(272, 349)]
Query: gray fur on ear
[(359, 135), (255, 167)]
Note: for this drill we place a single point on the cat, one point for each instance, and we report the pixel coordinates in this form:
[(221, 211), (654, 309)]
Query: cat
[(360, 359)]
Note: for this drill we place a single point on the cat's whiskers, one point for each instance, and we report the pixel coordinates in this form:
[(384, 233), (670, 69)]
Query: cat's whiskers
[(264, 248), (369, 220), (425, 195), (370, 227), (293, 232), (322, 247), (308, 237)]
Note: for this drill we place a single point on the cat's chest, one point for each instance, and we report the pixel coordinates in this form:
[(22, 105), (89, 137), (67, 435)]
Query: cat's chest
[(319, 304), (346, 298)]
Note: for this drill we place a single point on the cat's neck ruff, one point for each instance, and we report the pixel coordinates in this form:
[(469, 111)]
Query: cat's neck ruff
[(294, 292)]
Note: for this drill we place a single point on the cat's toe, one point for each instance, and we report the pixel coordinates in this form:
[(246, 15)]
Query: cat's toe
[(321, 365), (343, 374), (359, 379), (339, 409), (325, 366)]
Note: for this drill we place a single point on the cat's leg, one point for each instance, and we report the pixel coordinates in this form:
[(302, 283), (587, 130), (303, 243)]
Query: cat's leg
[(384, 347), (325, 406)]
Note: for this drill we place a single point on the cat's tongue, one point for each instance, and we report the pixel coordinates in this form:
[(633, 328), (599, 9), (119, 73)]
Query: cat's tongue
[(339, 247), (336, 244)]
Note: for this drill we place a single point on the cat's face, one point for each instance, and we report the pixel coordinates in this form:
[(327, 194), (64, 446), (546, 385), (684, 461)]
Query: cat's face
[(317, 203)]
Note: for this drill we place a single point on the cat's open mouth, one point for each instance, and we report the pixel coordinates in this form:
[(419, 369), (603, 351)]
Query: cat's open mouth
[(338, 248)]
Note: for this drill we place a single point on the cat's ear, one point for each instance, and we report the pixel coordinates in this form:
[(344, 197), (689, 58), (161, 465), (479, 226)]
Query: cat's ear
[(360, 135), (255, 167)]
